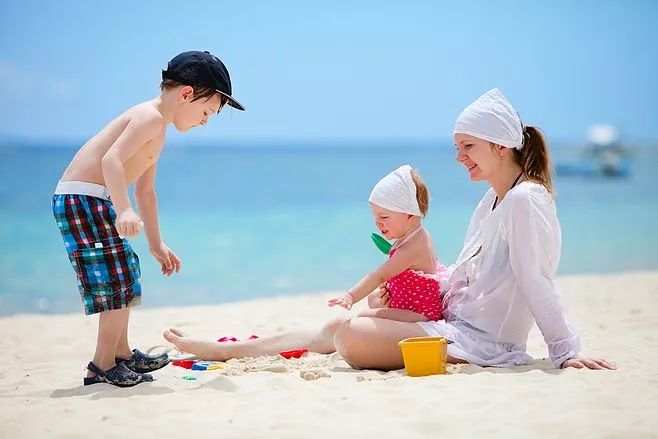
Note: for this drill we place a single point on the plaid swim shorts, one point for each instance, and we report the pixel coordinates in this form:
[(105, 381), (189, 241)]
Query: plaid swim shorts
[(107, 267)]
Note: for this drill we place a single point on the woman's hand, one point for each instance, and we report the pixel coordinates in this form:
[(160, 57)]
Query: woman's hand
[(380, 298), (597, 364)]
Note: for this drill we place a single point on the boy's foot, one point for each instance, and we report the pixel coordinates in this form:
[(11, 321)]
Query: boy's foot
[(119, 376), (142, 363)]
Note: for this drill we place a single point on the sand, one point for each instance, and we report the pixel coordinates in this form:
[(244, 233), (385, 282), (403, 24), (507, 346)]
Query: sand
[(317, 396)]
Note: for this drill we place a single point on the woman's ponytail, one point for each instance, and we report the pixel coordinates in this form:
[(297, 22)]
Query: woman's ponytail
[(535, 158)]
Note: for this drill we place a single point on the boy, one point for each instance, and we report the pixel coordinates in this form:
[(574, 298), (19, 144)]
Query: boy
[(94, 213)]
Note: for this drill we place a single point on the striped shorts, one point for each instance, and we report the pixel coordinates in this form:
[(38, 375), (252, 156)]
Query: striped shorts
[(106, 266)]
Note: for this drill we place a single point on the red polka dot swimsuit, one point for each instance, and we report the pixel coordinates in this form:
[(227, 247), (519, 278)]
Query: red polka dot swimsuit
[(414, 290)]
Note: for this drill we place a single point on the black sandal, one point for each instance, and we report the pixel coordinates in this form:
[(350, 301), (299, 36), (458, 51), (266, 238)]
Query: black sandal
[(142, 363), (119, 376)]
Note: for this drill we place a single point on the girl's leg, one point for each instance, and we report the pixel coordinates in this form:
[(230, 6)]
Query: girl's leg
[(372, 343), (399, 315), (320, 341)]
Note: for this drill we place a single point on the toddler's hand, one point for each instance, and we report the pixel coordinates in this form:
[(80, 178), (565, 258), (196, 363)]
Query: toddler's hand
[(346, 301), (169, 262), (128, 224)]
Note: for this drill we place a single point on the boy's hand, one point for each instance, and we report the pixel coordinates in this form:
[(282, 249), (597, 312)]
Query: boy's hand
[(169, 262), (346, 301), (128, 224)]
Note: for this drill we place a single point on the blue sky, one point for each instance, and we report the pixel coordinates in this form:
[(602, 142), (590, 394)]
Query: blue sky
[(327, 70)]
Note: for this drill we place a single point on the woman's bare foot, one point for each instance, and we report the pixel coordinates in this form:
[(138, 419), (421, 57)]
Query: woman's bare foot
[(178, 332), (206, 350)]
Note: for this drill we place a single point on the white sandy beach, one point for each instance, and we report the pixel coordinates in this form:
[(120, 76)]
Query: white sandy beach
[(43, 360)]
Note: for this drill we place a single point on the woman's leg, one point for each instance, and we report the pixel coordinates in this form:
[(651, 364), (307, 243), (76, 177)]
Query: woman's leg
[(372, 343), (320, 341), (399, 315)]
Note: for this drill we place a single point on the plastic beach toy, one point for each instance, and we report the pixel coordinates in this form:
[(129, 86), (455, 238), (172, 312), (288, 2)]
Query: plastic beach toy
[(215, 366), (185, 364), (297, 353), (424, 355), (199, 365), (382, 244), (207, 365)]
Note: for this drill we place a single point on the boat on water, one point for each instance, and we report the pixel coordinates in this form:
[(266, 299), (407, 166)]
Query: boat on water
[(603, 156)]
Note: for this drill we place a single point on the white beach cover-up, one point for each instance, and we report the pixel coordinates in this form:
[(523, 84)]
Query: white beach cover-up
[(493, 298)]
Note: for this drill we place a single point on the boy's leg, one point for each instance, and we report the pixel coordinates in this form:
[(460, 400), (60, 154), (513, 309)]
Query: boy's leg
[(399, 315), (123, 348), (110, 327)]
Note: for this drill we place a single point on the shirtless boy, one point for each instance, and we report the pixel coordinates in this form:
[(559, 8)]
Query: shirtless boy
[(94, 213)]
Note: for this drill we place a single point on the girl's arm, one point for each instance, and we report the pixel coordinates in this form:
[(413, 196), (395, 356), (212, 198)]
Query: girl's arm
[(405, 257)]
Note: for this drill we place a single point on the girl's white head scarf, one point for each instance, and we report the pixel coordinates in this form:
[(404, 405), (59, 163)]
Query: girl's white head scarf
[(492, 117), (397, 192)]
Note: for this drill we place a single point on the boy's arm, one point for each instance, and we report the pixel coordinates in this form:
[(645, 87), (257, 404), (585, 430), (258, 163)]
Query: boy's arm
[(142, 127), (147, 205)]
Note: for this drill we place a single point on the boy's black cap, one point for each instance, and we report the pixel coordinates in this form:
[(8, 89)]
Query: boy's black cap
[(202, 69)]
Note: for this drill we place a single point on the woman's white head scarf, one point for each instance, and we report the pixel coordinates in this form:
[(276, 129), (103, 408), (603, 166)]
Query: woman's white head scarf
[(397, 192), (492, 117)]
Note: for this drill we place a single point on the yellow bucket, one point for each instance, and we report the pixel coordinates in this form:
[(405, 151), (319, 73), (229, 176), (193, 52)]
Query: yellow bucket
[(424, 355)]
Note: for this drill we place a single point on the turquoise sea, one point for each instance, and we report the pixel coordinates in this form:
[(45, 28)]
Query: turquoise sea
[(263, 220)]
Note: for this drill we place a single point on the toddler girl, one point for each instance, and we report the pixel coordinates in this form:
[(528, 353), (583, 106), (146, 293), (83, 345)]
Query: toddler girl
[(412, 272)]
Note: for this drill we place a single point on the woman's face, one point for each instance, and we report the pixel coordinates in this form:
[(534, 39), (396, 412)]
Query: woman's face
[(480, 159)]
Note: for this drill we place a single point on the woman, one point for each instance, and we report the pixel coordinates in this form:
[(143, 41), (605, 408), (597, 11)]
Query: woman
[(502, 280)]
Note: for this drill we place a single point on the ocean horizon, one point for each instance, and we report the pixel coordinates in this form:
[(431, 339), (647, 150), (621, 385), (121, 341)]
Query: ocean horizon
[(285, 218)]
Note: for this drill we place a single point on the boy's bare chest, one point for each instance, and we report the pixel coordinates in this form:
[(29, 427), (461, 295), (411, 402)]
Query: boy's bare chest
[(143, 159)]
